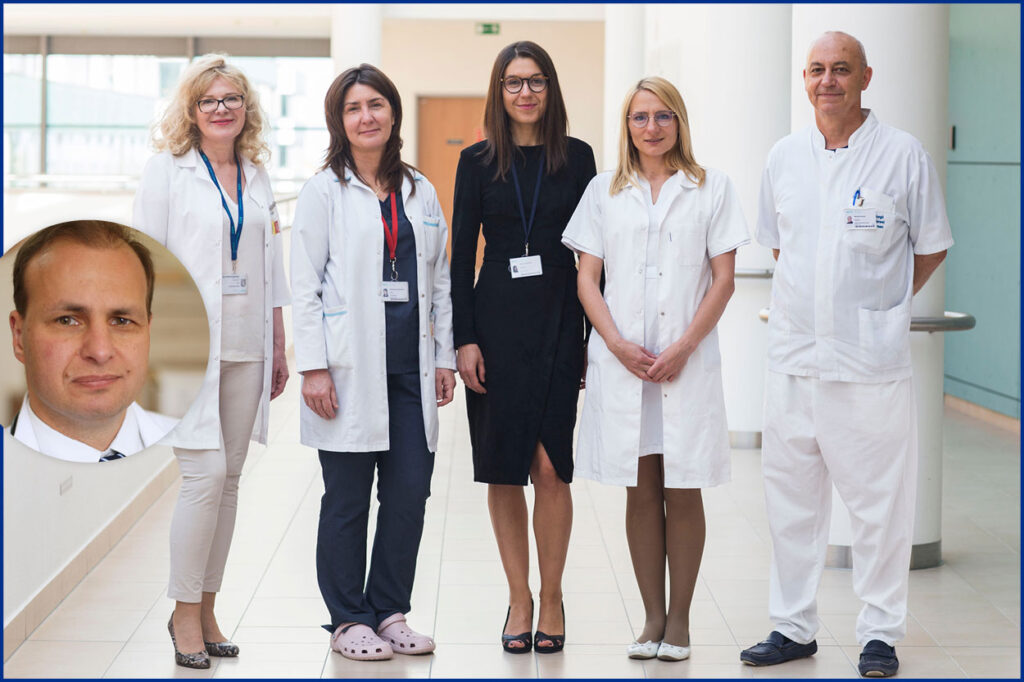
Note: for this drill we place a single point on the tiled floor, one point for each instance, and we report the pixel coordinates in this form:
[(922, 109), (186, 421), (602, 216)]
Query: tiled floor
[(965, 615)]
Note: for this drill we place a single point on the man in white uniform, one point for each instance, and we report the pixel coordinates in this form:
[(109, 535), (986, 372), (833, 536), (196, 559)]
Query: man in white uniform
[(83, 293), (853, 212)]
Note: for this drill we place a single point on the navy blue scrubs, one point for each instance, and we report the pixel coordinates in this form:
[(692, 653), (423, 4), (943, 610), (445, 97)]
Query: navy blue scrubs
[(403, 475)]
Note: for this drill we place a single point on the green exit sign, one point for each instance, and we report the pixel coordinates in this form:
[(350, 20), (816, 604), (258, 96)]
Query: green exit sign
[(486, 29)]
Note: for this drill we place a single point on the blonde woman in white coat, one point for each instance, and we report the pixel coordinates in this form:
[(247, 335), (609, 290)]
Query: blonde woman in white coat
[(665, 231), (373, 341), (207, 197)]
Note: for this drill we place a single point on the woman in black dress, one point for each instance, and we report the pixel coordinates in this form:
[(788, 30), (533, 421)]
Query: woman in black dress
[(519, 332)]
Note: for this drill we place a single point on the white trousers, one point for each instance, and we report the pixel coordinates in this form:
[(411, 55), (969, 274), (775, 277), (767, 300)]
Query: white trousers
[(204, 518), (863, 438)]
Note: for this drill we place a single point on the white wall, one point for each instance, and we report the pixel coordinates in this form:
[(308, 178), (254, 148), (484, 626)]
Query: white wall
[(45, 529)]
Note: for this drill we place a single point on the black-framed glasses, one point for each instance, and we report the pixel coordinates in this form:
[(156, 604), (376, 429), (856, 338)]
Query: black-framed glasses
[(513, 84), (209, 105), (640, 118)]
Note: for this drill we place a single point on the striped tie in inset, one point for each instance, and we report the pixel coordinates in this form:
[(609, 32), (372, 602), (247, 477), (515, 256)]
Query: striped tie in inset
[(111, 455)]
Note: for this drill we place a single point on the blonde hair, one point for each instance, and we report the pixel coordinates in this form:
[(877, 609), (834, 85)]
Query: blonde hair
[(177, 131), (680, 157)]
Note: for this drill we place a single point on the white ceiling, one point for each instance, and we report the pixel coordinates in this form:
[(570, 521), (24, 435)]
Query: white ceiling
[(253, 19)]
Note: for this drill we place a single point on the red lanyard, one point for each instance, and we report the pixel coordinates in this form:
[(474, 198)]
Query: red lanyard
[(391, 235)]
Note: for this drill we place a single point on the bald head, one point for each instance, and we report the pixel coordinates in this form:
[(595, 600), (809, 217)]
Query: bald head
[(840, 39)]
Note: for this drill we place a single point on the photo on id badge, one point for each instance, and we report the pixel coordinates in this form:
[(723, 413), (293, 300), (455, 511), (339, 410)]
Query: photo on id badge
[(108, 342)]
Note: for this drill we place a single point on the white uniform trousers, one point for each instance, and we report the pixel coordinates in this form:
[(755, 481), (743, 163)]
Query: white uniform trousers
[(862, 437), (204, 518)]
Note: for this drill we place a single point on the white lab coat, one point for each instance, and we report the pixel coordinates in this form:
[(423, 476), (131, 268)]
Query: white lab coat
[(841, 294), (147, 428), (179, 206), (338, 310), (700, 223)]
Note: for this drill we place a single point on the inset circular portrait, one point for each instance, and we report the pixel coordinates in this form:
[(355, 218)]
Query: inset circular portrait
[(108, 341)]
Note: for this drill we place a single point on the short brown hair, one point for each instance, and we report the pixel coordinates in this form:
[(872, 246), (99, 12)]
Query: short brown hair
[(98, 234)]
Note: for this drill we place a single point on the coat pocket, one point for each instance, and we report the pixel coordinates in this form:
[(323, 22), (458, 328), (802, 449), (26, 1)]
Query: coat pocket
[(338, 336), (878, 211), (885, 336), (686, 243)]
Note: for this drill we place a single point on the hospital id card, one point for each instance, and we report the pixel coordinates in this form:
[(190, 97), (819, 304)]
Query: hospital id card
[(863, 219), (233, 285), (395, 292), (525, 266)]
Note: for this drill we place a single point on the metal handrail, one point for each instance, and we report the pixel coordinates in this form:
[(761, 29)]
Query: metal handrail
[(754, 273), (949, 322)]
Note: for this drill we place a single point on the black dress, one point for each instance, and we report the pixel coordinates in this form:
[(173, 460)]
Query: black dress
[(530, 330)]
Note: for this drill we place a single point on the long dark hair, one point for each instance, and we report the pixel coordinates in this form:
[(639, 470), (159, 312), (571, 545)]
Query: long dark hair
[(554, 124), (339, 153)]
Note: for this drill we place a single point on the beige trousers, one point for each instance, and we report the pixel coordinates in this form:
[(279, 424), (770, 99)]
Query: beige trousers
[(204, 518)]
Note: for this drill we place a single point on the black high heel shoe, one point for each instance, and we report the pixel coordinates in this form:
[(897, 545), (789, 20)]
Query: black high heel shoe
[(524, 637), (557, 641), (199, 659)]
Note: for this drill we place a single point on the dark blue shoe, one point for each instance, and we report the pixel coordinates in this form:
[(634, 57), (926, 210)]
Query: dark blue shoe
[(777, 649), (878, 659)]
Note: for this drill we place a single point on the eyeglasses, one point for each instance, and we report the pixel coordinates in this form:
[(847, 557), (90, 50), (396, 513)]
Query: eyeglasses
[(640, 118), (513, 84), (209, 105)]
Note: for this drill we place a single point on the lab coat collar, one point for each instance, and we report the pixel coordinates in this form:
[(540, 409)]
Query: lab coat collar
[(865, 130), (352, 178), (673, 184), (191, 159)]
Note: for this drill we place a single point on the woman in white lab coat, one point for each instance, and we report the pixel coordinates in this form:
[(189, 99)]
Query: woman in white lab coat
[(373, 341), (665, 231), (207, 197)]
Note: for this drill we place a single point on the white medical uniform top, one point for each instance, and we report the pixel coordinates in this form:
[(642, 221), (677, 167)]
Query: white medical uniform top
[(848, 224), (337, 248), (178, 205), (698, 224), (241, 337), (138, 431)]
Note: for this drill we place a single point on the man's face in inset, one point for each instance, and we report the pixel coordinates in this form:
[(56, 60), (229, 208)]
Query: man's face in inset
[(84, 337)]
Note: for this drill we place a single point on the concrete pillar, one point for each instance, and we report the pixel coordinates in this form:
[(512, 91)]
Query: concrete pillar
[(356, 34), (908, 48), (623, 67), (736, 114)]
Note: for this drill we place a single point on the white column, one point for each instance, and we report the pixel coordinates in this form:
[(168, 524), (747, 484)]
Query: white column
[(732, 66), (908, 49), (623, 67), (356, 34)]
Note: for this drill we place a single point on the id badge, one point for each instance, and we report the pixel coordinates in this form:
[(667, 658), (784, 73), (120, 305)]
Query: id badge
[(234, 284), (275, 219), (863, 219), (525, 266), (395, 292)]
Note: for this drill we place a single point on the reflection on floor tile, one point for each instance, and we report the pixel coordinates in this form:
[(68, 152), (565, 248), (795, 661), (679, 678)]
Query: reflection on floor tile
[(964, 615)]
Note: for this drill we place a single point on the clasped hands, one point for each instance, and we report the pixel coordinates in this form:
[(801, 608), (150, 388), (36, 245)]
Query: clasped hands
[(645, 365)]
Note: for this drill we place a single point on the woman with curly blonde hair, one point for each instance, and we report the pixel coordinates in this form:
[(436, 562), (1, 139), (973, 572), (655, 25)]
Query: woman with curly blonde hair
[(207, 197)]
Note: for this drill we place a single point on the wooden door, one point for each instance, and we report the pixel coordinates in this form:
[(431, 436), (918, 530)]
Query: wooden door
[(447, 125)]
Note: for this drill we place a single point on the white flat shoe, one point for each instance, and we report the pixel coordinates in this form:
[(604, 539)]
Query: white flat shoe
[(648, 649), (671, 652)]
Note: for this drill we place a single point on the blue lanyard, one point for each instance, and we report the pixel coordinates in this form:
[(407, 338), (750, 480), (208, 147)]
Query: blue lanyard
[(528, 226), (236, 235)]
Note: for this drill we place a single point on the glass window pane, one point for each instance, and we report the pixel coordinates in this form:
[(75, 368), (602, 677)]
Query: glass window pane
[(100, 109), (22, 113)]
